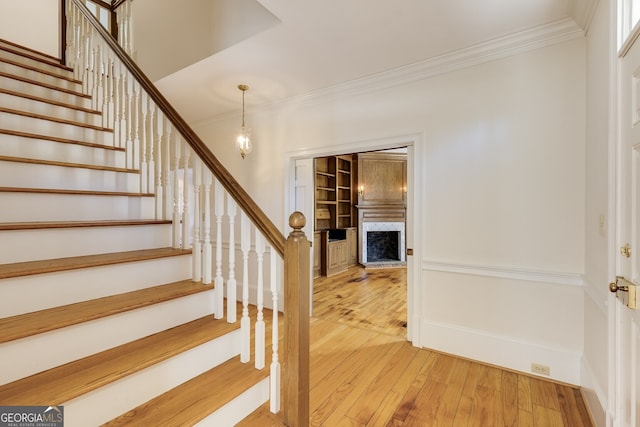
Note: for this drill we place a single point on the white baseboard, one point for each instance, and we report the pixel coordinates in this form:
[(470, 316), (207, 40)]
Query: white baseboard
[(504, 351), (594, 395)]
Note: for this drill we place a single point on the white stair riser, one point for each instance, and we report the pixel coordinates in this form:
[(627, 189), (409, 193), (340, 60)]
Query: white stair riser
[(31, 175), (37, 76), (43, 92), (34, 63), (112, 400), (32, 148), (31, 245), (43, 108), (26, 294), (238, 408), (26, 207), (34, 354), (20, 123)]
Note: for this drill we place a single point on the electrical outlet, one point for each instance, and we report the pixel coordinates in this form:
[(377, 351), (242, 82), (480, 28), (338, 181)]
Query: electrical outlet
[(540, 369)]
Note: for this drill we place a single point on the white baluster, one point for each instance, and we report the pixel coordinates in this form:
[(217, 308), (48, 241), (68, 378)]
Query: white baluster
[(245, 322), (161, 140), (143, 109), (231, 282), (108, 108), (207, 259), (117, 104), (136, 122), (130, 119), (84, 53), (167, 192), (186, 213), (260, 328), (219, 281), (124, 100), (152, 142), (130, 40), (99, 76), (176, 191), (90, 64), (197, 242), (274, 373)]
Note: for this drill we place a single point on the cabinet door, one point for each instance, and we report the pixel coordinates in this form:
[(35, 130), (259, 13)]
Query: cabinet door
[(352, 247), (343, 254), (336, 257), (333, 258), (317, 253)]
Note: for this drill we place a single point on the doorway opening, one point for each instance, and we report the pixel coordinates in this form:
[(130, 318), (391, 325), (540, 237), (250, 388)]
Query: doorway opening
[(360, 217), (302, 198)]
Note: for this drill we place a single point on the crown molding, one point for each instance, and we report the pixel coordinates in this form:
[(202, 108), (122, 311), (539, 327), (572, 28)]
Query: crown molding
[(513, 44), (502, 47), (583, 12)]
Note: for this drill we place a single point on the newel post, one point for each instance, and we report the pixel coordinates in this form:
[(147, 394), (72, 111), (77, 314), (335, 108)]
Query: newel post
[(296, 324)]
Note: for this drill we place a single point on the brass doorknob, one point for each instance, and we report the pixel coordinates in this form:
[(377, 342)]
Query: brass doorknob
[(626, 250), (614, 287)]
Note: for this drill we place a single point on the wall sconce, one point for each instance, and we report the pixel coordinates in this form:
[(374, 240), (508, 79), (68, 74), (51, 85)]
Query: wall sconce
[(243, 141), (360, 190)]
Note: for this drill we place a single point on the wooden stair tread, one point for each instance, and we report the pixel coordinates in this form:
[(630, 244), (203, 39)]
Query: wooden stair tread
[(66, 164), (40, 70), (37, 225), (45, 85), (195, 399), (37, 322), (50, 101), (57, 139), (72, 192), (33, 54), (65, 382), (54, 119), (28, 268)]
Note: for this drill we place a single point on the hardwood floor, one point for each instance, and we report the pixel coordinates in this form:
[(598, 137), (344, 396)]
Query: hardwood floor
[(374, 299), (365, 373)]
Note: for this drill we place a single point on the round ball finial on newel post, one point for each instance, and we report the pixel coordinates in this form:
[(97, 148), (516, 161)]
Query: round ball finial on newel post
[(297, 221)]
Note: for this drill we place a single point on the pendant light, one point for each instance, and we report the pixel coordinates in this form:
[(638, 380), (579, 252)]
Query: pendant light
[(243, 141)]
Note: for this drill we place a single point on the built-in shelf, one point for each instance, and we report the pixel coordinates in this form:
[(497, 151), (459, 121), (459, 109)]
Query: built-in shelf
[(335, 215)]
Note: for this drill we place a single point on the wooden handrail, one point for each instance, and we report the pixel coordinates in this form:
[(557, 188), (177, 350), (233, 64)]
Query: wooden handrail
[(116, 4), (247, 204), (104, 4), (63, 32)]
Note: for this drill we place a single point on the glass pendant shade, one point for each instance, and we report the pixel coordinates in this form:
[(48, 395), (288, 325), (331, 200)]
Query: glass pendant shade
[(243, 141)]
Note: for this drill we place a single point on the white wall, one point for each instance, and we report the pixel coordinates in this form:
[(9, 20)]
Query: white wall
[(171, 35), (500, 195), (598, 220), (32, 23)]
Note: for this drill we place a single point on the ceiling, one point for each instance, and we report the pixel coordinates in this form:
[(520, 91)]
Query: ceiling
[(318, 44)]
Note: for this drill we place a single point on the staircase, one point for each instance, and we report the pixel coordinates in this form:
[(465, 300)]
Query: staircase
[(98, 309)]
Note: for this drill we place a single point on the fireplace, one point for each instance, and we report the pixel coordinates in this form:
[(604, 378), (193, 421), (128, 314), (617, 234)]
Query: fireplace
[(383, 243)]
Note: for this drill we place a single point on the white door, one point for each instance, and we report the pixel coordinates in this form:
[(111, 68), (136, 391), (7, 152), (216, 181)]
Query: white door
[(303, 202), (627, 336)]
